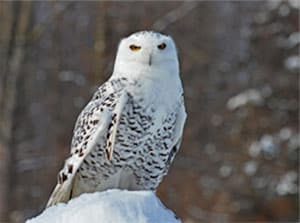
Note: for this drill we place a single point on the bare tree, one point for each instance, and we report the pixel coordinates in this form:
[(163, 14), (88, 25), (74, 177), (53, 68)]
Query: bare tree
[(14, 17)]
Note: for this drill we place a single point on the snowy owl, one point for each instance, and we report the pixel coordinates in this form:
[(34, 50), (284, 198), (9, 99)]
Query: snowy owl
[(126, 137)]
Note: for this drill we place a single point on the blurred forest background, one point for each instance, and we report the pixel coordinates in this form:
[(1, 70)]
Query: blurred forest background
[(239, 65)]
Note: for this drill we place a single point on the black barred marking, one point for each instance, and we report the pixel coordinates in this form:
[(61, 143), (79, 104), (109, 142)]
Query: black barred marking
[(174, 149), (158, 167), (107, 154), (63, 178), (70, 168), (153, 177)]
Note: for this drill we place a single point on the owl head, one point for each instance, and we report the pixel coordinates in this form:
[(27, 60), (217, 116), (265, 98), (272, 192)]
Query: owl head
[(146, 51)]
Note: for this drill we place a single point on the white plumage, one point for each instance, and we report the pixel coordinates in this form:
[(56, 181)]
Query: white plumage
[(128, 134)]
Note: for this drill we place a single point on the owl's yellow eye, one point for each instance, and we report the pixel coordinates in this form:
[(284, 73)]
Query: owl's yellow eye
[(134, 47), (162, 46)]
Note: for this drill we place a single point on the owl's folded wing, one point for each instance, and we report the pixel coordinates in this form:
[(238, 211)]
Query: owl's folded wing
[(98, 120), (177, 134)]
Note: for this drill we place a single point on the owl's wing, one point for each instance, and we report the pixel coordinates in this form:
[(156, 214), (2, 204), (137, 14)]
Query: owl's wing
[(177, 134), (95, 122), (112, 130)]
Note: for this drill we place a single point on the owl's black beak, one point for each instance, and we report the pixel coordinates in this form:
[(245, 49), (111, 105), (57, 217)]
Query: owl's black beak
[(150, 59)]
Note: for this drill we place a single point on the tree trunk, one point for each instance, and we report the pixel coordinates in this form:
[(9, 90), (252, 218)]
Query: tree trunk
[(14, 17)]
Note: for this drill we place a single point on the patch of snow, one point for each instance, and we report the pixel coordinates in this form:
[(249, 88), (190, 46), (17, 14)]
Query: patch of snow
[(273, 4), (290, 42), (294, 142), (294, 3), (285, 134), (250, 96), (112, 206), (261, 17), (268, 145), (284, 10), (288, 184), (250, 167), (70, 76), (294, 39), (225, 171), (292, 63), (254, 149)]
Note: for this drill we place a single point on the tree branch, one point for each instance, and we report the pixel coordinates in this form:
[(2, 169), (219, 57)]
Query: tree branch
[(174, 15)]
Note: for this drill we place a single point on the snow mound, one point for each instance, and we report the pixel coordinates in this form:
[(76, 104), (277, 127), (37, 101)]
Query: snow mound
[(112, 206)]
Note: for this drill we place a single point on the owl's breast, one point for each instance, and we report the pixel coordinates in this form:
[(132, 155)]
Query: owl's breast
[(143, 143), (142, 147)]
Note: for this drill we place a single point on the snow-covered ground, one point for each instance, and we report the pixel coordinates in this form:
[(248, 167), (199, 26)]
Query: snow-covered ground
[(113, 206)]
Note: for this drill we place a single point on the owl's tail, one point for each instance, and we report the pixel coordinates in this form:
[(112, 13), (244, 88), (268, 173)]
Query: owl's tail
[(61, 193)]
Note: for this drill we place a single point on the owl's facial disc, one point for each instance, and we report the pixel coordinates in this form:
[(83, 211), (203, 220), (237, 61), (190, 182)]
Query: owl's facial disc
[(147, 48), (143, 50)]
